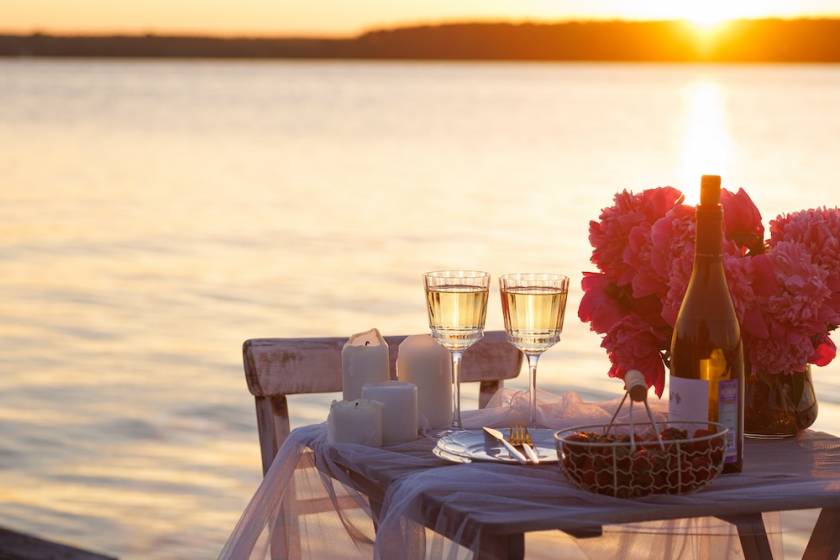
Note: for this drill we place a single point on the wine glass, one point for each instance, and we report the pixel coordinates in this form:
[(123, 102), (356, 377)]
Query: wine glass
[(456, 301), (533, 305)]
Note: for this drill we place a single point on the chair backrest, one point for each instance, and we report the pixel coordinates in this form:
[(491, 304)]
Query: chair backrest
[(276, 367)]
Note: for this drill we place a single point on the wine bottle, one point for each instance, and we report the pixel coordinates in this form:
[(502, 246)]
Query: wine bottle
[(707, 356)]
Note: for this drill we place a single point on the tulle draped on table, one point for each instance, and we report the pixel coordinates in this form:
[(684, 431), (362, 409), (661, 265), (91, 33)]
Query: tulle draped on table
[(308, 512)]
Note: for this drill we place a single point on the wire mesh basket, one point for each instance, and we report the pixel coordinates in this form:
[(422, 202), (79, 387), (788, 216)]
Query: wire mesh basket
[(630, 461)]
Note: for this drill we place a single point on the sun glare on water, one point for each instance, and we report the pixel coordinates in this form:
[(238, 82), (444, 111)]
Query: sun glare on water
[(707, 148)]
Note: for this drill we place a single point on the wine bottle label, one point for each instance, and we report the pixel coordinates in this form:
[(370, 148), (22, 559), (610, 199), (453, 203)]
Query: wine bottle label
[(688, 400), (728, 416)]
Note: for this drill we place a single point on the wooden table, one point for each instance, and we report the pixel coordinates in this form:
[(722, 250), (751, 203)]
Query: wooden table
[(817, 487)]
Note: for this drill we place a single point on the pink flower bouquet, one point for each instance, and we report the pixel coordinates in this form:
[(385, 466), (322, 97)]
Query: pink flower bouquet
[(786, 290)]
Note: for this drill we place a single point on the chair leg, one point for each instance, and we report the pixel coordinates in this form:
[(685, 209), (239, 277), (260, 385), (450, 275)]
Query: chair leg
[(825, 539), (501, 547), (752, 534), (273, 427)]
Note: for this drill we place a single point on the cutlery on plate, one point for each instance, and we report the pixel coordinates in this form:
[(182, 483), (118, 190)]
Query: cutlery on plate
[(515, 453), (520, 437)]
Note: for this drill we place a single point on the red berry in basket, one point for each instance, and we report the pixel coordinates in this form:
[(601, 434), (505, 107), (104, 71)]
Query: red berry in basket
[(600, 462), (643, 479), (689, 481), (672, 433), (622, 458), (660, 481), (605, 477), (700, 462), (604, 452), (575, 457), (701, 470), (717, 450), (658, 458), (645, 438), (701, 446), (624, 477), (703, 432), (640, 461)]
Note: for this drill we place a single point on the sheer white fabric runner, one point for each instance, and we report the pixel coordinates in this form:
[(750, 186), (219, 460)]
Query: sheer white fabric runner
[(299, 511)]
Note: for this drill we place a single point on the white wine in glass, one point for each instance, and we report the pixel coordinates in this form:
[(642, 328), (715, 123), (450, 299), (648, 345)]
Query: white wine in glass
[(533, 306), (456, 301), (456, 315)]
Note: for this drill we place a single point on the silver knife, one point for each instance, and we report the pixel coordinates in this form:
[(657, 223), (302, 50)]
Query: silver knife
[(515, 453)]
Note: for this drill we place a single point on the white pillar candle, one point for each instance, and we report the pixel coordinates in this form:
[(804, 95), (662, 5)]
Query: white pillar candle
[(399, 415), (358, 421), (364, 359), (427, 364)]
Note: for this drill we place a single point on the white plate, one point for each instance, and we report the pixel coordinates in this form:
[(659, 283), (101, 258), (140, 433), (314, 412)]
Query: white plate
[(475, 445)]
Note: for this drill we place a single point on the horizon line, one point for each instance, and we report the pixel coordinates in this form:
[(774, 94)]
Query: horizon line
[(181, 32)]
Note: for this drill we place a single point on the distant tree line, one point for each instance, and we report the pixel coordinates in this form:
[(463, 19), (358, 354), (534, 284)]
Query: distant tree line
[(767, 40)]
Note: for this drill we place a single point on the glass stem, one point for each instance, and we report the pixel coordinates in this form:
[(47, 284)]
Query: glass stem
[(533, 360), (456, 390)]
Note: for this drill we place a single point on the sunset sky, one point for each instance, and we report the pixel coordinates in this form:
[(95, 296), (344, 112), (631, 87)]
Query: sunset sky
[(347, 17)]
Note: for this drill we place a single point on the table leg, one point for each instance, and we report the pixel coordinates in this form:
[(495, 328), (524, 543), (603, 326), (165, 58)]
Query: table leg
[(825, 539), (285, 538), (375, 502), (752, 535), (501, 547)]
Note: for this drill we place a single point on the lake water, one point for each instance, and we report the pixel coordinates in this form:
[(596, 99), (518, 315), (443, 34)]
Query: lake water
[(156, 214)]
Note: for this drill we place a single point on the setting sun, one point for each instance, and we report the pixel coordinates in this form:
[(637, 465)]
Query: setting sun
[(710, 15), (707, 16)]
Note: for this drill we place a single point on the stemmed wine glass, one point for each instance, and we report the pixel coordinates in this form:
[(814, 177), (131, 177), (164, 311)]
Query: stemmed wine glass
[(533, 305), (457, 304)]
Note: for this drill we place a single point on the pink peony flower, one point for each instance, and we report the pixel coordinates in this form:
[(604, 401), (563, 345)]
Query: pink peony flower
[(739, 277), (646, 281), (672, 256), (610, 235), (604, 304), (633, 344), (672, 237), (599, 307), (819, 231), (742, 220), (793, 306), (801, 304)]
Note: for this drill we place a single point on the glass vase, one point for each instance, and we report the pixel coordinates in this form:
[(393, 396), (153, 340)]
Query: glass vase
[(778, 405)]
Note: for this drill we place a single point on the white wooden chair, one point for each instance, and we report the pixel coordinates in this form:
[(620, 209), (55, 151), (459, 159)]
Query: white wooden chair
[(275, 368)]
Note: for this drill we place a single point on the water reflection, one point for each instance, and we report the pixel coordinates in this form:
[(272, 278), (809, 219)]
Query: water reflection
[(707, 147), (226, 200)]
